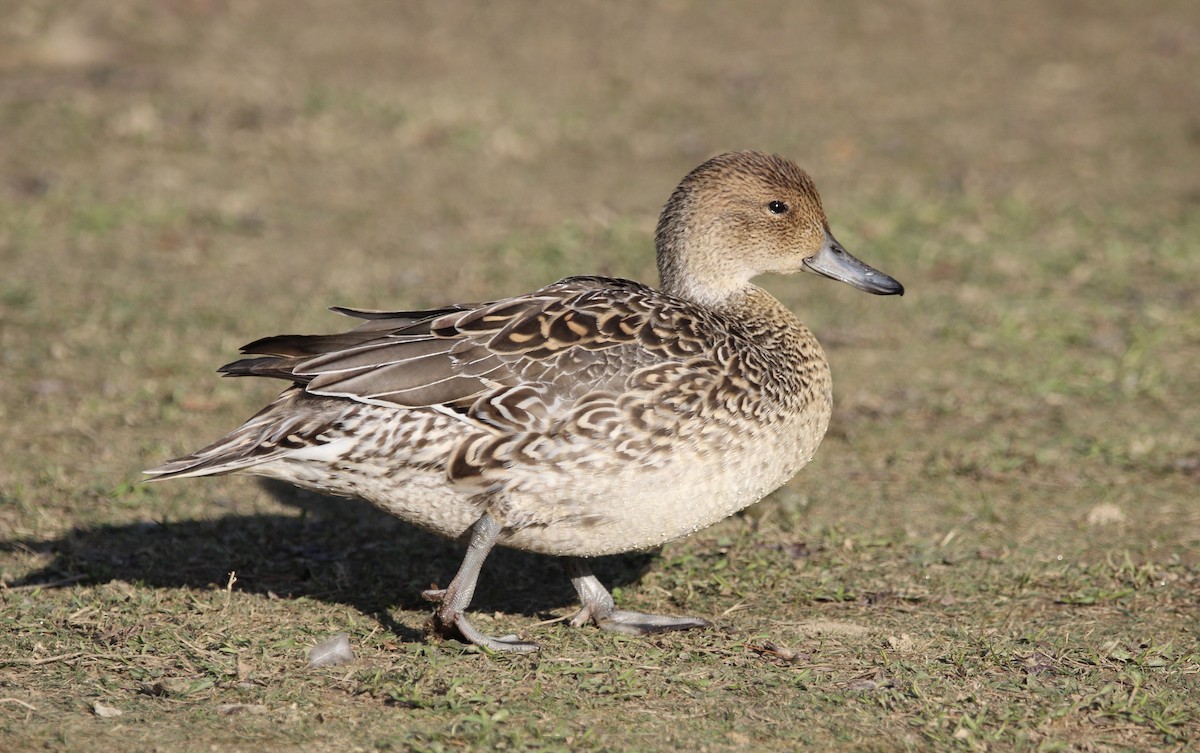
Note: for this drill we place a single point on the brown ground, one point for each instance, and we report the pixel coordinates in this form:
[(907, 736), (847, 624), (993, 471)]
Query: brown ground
[(995, 549)]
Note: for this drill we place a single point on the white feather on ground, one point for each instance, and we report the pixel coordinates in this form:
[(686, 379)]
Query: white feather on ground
[(331, 652)]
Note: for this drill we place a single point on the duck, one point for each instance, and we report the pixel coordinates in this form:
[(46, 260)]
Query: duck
[(593, 416)]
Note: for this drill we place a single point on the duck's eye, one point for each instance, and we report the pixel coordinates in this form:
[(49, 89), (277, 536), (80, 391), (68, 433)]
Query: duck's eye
[(777, 207)]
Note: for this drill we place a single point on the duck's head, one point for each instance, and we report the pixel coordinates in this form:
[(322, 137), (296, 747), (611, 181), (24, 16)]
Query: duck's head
[(742, 214)]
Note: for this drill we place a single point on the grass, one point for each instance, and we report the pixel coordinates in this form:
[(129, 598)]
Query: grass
[(928, 647), (995, 549)]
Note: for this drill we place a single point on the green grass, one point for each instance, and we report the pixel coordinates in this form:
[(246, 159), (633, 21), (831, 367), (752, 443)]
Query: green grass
[(995, 549), (822, 639)]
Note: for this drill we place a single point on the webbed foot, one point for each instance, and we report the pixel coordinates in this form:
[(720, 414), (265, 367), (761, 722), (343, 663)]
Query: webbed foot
[(600, 609), (450, 619)]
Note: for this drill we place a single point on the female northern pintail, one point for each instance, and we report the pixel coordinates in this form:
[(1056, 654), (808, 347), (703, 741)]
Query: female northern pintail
[(591, 417)]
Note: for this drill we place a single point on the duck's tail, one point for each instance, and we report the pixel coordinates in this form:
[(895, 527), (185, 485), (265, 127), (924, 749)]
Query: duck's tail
[(287, 427)]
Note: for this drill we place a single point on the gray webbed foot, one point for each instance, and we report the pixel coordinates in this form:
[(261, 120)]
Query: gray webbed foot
[(450, 617), (599, 608)]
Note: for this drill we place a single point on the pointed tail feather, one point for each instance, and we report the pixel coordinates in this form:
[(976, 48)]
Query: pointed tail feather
[(292, 424)]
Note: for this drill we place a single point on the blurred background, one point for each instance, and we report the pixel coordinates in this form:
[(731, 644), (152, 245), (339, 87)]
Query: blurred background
[(179, 177)]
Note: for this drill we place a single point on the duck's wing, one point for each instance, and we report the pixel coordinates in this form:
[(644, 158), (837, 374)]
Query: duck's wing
[(511, 364), (278, 355)]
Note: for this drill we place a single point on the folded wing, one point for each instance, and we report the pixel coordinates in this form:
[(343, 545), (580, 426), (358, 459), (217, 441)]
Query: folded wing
[(513, 364)]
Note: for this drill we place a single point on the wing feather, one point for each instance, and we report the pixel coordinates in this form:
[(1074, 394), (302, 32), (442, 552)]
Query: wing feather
[(510, 364)]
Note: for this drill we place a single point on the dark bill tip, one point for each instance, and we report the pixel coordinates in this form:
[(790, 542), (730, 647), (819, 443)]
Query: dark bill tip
[(836, 263)]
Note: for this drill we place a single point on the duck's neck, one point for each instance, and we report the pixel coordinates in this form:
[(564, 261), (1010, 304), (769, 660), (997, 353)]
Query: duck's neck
[(693, 262), (761, 316), (703, 279), (716, 297), (707, 279)]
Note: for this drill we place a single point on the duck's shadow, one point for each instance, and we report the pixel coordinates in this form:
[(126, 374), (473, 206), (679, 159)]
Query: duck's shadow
[(338, 550)]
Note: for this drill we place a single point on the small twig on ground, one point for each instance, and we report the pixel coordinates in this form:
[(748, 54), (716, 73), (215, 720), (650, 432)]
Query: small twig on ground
[(60, 657), (44, 659), (551, 621), (229, 588), (48, 584), (741, 606), (19, 702)]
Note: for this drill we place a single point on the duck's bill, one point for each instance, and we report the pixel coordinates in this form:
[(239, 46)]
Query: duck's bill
[(836, 263)]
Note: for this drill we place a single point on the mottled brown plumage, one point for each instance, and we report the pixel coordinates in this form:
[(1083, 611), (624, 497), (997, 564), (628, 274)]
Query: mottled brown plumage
[(592, 416)]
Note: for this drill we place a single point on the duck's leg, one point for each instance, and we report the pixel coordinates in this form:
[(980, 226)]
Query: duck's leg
[(453, 600), (598, 607)]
